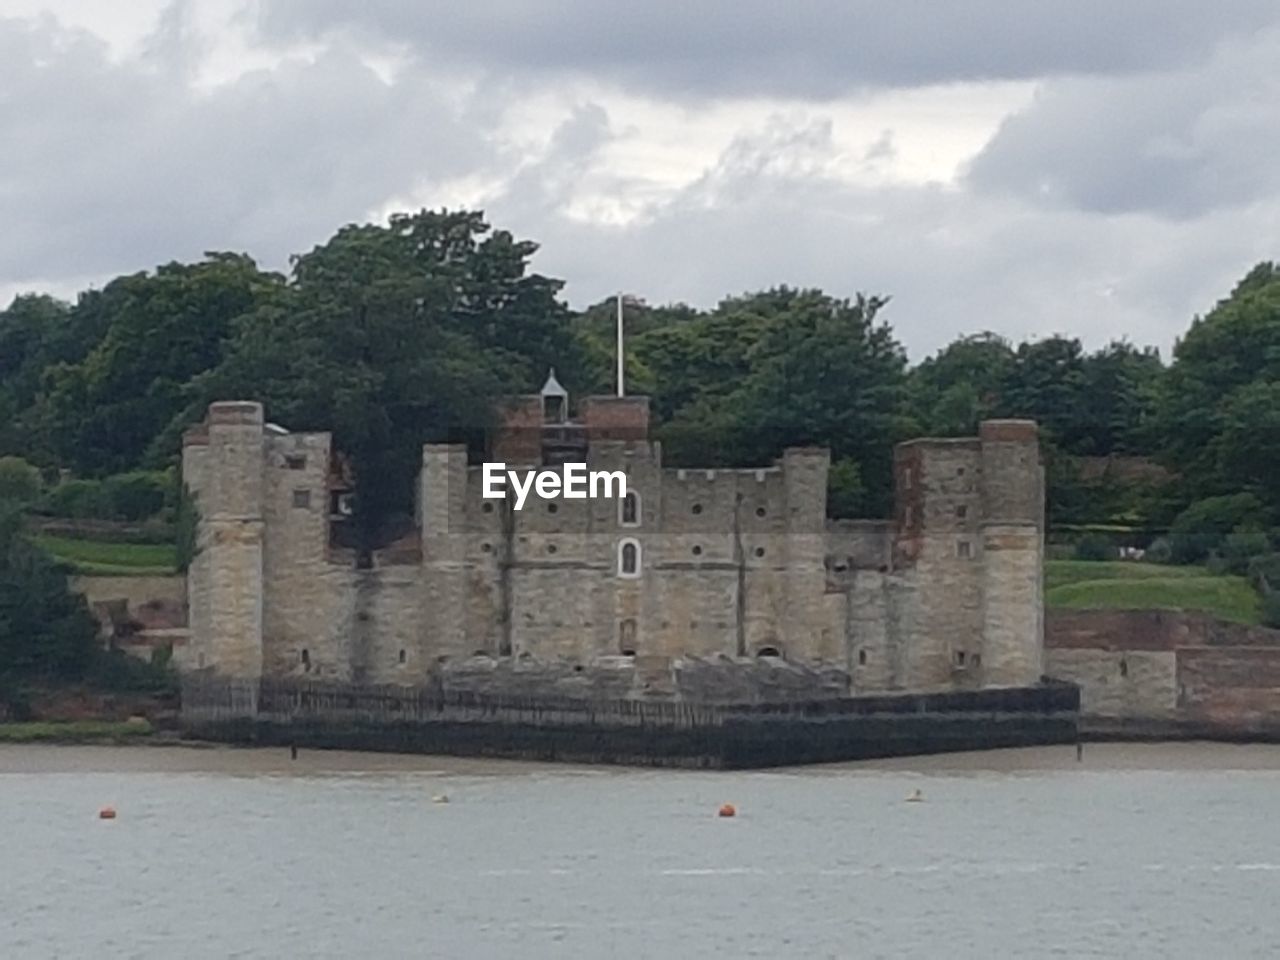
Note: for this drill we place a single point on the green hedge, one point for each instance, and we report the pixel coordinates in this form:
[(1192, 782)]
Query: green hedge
[(134, 497)]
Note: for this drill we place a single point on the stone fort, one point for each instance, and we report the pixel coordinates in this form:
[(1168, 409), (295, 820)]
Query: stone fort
[(695, 569)]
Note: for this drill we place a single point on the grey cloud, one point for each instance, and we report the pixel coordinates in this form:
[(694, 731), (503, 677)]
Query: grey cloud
[(116, 166), (1177, 144), (954, 262), (809, 48)]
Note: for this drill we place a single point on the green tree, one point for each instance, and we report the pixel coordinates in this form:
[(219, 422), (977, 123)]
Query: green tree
[(846, 496), (104, 411), (46, 630), (1247, 450), (391, 337), (1046, 382), (1202, 527), (1218, 382), (19, 481), (821, 372), (950, 392), (1119, 387)]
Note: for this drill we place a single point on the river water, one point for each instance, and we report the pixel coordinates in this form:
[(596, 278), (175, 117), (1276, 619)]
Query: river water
[(1138, 851)]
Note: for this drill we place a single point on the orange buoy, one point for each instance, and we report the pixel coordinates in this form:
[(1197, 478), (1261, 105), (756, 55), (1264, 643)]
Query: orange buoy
[(107, 813), (728, 810)]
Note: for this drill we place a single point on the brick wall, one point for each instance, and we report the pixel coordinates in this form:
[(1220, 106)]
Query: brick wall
[(1188, 669)]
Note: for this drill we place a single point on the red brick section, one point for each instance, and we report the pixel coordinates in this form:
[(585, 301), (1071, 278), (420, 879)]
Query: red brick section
[(1228, 674), (908, 506), (616, 418), (1115, 629), (518, 438), (1149, 630), (1232, 687)]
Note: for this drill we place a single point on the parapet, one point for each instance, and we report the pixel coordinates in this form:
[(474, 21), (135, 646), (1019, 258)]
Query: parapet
[(245, 413), (1008, 431), (226, 413), (799, 453)]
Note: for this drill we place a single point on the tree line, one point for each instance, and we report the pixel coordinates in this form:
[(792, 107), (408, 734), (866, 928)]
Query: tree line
[(396, 334)]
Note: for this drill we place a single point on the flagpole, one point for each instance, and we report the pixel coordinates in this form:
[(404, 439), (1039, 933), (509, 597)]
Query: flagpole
[(621, 391)]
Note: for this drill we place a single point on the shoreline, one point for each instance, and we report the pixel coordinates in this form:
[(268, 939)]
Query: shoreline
[(196, 756)]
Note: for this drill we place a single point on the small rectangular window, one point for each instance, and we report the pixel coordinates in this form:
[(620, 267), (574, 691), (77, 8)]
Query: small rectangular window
[(302, 499), (295, 462), (962, 511), (959, 658), (964, 550)]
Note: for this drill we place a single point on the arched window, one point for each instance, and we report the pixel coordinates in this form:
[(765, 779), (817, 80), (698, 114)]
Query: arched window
[(628, 559), (629, 510), (306, 659)]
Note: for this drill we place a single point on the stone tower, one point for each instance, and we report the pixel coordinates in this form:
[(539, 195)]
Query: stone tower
[(970, 538), (442, 505), (223, 465), (1012, 552)]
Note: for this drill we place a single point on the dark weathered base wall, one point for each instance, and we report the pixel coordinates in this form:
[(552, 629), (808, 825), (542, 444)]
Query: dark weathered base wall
[(1130, 729), (634, 733)]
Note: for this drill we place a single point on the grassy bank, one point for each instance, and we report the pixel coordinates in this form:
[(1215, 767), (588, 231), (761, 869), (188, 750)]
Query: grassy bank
[(1117, 585), (112, 559), (74, 731)]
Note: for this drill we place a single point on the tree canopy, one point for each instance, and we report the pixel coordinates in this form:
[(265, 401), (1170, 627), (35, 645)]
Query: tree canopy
[(403, 332)]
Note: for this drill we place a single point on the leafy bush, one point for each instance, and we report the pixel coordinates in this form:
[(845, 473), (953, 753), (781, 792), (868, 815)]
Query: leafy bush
[(116, 670), (1095, 546), (134, 496), (1160, 551), (15, 701), (46, 630), (1271, 609), (1203, 527), (81, 499), (19, 481), (1241, 546), (1264, 571), (846, 495)]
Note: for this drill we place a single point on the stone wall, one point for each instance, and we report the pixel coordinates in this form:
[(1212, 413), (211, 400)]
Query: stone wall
[(139, 614), (224, 467), (728, 563), (970, 543), (1167, 672)]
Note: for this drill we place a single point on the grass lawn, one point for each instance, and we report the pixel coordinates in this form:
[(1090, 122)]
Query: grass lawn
[(1118, 585), (1058, 573), (112, 559), (73, 730)]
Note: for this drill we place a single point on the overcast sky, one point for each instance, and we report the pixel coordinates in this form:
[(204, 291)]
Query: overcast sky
[(1104, 168)]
